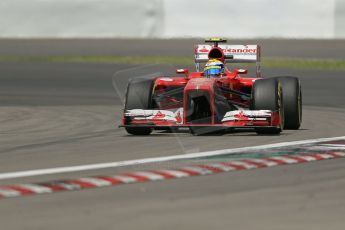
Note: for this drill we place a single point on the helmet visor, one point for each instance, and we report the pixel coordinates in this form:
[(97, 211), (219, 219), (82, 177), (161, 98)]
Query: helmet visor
[(213, 72)]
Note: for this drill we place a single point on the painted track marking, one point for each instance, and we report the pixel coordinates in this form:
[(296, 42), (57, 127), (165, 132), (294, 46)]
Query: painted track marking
[(40, 172), (17, 190)]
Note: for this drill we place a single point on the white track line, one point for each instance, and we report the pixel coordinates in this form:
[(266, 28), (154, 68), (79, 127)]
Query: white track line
[(149, 176), (77, 168)]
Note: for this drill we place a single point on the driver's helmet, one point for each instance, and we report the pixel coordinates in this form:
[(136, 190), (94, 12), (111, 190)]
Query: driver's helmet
[(213, 68)]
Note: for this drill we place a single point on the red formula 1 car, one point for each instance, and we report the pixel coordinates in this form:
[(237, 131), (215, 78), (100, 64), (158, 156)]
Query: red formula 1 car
[(207, 104)]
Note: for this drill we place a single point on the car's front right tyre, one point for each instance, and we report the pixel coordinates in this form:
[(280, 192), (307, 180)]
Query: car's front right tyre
[(139, 96)]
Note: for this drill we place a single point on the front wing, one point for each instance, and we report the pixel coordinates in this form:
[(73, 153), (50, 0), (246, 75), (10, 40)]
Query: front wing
[(176, 119)]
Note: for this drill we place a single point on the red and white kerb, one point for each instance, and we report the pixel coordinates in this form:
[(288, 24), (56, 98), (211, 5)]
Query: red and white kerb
[(17, 190)]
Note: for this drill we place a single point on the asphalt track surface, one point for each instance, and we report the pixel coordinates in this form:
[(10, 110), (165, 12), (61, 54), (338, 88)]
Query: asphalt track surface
[(60, 114)]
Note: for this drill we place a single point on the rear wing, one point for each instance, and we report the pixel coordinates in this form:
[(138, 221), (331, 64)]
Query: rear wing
[(232, 53)]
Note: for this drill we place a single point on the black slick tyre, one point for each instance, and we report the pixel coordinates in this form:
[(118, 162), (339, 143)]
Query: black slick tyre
[(139, 96), (292, 95), (266, 95)]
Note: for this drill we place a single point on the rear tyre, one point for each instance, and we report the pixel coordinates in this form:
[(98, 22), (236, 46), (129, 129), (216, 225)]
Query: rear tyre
[(266, 95), (292, 95), (139, 96)]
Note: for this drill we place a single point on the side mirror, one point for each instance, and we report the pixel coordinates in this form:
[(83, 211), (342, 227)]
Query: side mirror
[(180, 71), (242, 71)]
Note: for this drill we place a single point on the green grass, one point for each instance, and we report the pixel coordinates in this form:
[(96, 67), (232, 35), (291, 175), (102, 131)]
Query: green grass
[(320, 64)]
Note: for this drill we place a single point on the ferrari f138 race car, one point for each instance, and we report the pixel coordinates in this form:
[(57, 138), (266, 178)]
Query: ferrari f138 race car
[(216, 98)]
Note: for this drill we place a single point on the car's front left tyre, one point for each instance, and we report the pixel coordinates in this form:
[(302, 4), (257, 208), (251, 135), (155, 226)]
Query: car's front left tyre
[(292, 94), (267, 95)]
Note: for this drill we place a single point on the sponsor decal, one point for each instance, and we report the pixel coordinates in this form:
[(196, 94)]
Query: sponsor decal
[(241, 116), (247, 115), (159, 115), (240, 51), (150, 115), (204, 50), (235, 49), (179, 116)]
